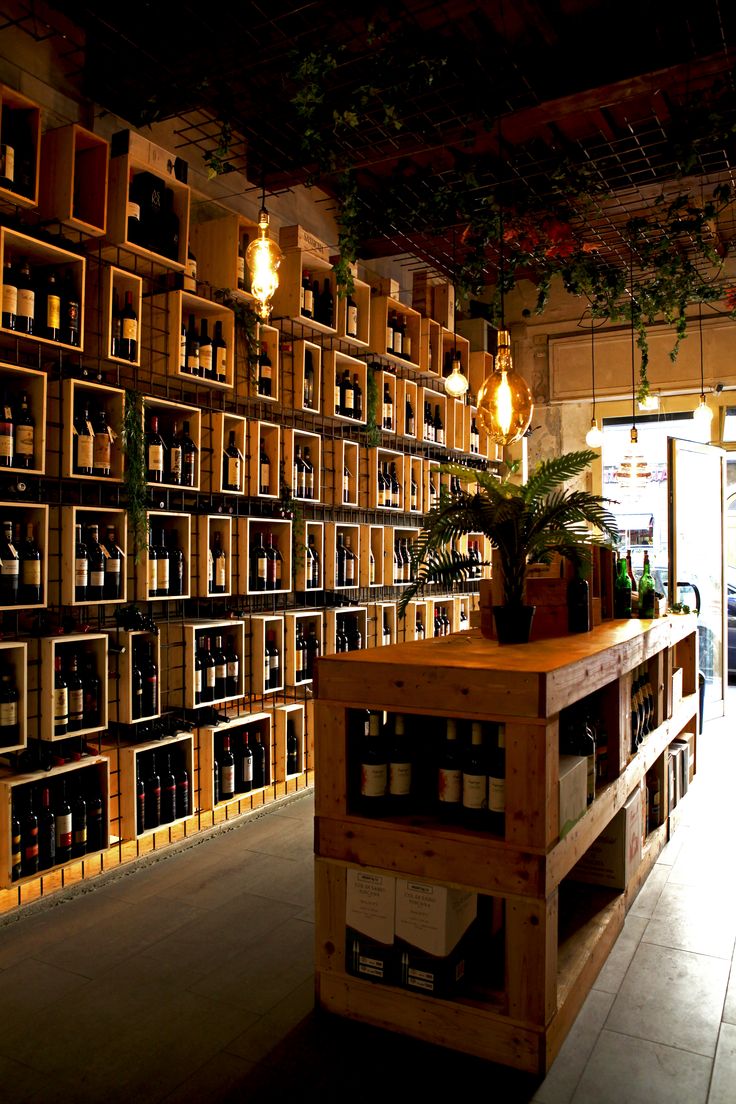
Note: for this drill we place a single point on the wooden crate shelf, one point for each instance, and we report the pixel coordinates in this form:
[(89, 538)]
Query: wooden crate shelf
[(305, 485), (387, 405), (140, 758), (221, 474), (413, 484), (74, 179), (124, 649), (219, 238), (78, 395), (381, 495), (382, 624), (556, 932), (167, 318), (347, 616), (342, 470), (302, 375), (264, 459), (118, 344), (43, 257), (308, 575), (334, 405), (399, 540), (256, 729), (14, 716), (266, 671), (436, 400), (430, 353), (257, 575), (15, 380), (407, 399), (71, 517), (349, 534), (214, 578), (296, 666), (177, 530), (264, 379), (375, 560), (383, 309), (26, 114), (32, 573), (92, 646), (414, 625), (287, 715), (289, 299), (194, 631), (172, 416), (359, 314)]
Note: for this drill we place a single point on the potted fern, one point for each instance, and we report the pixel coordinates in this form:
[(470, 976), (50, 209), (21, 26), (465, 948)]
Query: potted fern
[(525, 524)]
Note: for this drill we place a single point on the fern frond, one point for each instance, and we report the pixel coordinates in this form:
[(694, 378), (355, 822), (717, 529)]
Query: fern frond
[(550, 473)]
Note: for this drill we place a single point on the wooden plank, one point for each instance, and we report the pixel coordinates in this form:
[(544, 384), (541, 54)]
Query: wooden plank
[(531, 959), (330, 759), (450, 856), (532, 790), (442, 1023), (330, 893)]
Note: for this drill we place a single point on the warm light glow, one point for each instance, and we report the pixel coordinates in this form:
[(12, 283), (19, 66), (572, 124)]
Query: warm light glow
[(505, 404), (633, 471), (456, 384), (651, 402), (703, 414), (263, 258), (594, 437)]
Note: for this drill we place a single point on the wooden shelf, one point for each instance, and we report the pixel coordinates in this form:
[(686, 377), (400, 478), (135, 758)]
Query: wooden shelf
[(137, 757), (42, 256), (76, 394), (342, 473), (92, 645), (122, 707), (194, 631), (264, 459), (177, 528), (383, 308), (216, 235), (302, 389), (304, 486), (293, 622), (71, 516), (334, 531), (170, 414), (214, 463), (265, 677), (27, 115), (413, 484), (116, 281), (374, 563), (256, 727), (166, 318), (307, 577), (37, 515), (14, 657), (361, 296), (335, 366), (275, 574), (74, 179), (214, 579), (287, 301), (14, 380), (285, 715)]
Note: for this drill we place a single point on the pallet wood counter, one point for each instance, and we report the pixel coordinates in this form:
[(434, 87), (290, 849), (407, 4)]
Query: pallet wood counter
[(551, 931)]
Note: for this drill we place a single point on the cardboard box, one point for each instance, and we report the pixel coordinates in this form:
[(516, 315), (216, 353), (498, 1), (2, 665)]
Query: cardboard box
[(573, 790), (614, 856), (296, 237), (369, 920), (158, 159), (479, 332), (443, 305), (431, 924), (425, 973)]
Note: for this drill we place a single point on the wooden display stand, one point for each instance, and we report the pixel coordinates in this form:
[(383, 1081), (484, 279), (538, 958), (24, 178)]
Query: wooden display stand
[(556, 933)]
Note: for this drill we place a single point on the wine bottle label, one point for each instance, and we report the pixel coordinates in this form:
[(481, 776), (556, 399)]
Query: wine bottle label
[(183, 351), (210, 569), (175, 463), (26, 303), (497, 794), (85, 451), (101, 451), (440, 436), (308, 300), (407, 346), (162, 574), (352, 324), (221, 362), (221, 573), (10, 566), (227, 785), (134, 210), (265, 475), (76, 703), (63, 831), (389, 338), (61, 703), (210, 678), (274, 662), (399, 779), (337, 397), (152, 574), (156, 458), (475, 791), (7, 163), (197, 681), (205, 358), (97, 577), (233, 669), (398, 342), (373, 779), (193, 361), (130, 329), (247, 768), (112, 566), (80, 834), (349, 572), (24, 440), (8, 714), (6, 445), (53, 312), (241, 270), (266, 371), (262, 567), (81, 571), (221, 671), (349, 399), (233, 471), (10, 299)]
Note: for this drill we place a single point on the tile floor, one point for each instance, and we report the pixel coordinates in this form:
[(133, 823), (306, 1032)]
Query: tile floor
[(190, 979)]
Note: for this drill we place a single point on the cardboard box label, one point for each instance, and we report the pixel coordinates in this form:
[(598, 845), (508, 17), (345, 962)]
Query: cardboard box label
[(370, 904), (433, 918)]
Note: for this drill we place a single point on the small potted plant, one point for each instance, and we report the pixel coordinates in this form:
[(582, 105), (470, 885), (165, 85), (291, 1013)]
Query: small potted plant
[(526, 523)]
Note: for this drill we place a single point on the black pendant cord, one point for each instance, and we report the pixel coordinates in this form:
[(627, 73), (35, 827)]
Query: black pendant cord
[(592, 357), (700, 334), (633, 375)]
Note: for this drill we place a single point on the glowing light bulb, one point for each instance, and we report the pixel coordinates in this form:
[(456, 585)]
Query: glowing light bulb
[(263, 258), (703, 414), (456, 384), (594, 437), (505, 403)]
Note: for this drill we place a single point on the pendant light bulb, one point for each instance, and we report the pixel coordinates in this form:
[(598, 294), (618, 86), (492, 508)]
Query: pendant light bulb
[(456, 384), (703, 414), (263, 258), (505, 403), (594, 437)]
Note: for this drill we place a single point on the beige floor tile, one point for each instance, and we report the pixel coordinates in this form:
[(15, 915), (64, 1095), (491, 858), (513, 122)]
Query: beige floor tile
[(623, 1070), (695, 918), (649, 894), (614, 968), (561, 1081), (723, 1083)]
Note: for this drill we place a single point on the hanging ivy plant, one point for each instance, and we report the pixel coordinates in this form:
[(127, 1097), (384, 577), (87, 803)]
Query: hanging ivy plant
[(373, 432), (246, 329), (134, 480)]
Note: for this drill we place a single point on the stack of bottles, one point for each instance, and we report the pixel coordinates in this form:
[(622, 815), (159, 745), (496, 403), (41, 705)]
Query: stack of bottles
[(56, 820)]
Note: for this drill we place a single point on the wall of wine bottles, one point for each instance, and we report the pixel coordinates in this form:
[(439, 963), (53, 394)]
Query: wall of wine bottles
[(160, 634)]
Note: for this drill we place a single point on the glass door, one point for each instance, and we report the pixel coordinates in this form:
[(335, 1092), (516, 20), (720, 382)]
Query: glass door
[(696, 476)]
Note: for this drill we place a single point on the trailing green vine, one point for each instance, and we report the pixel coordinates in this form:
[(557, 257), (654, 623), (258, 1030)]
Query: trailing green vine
[(134, 471), (373, 432), (246, 329)]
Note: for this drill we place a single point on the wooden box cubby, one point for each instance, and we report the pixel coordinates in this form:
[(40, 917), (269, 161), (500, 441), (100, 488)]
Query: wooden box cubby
[(450, 345), (342, 472), (29, 575), (193, 633), (407, 398), (71, 516), (374, 559), (384, 459), (76, 395), (382, 616), (405, 535), (306, 576), (141, 757), (334, 532), (85, 645), (464, 609), (293, 713), (117, 282), (361, 296), (14, 657), (14, 381), (263, 680), (208, 525), (432, 484), (335, 365), (26, 114), (413, 481), (73, 180), (387, 406), (441, 602), (124, 650), (435, 399), (430, 356), (177, 529), (166, 315), (91, 774), (257, 727), (345, 616), (383, 308), (131, 155), (456, 426), (303, 487), (480, 366), (215, 236), (249, 530), (43, 257), (303, 620), (170, 414), (216, 429), (414, 625), (266, 437), (303, 391), (268, 339), (287, 301)]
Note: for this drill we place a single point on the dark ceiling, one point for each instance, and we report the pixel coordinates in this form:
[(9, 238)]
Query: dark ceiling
[(515, 95)]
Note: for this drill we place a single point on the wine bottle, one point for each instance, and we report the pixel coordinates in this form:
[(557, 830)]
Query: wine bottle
[(449, 774), (10, 286), (25, 318), (24, 450), (258, 564), (188, 458), (220, 670), (206, 352), (60, 700), (183, 787), (96, 565), (152, 564), (313, 649), (70, 310), (347, 395), (232, 466), (300, 654), (128, 330), (95, 827), (219, 561), (7, 434), (101, 445), (168, 793), (154, 452), (622, 592), (264, 471), (219, 355), (92, 692), (177, 565), (240, 266), (274, 661), (227, 771), (208, 670), (307, 296), (308, 396), (9, 703), (274, 565), (232, 685), (399, 767), (83, 437), (192, 352), (298, 474), (175, 461), (198, 675), (149, 680), (116, 326), (79, 825), (245, 781), (327, 305), (259, 761), (351, 317), (341, 558), (81, 566), (113, 581), (75, 694), (51, 309), (136, 686), (152, 806), (388, 408), (475, 781), (497, 783), (308, 474), (63, 826), (29, 839), (292, 748), (16, 846), (46, 832), (31, 592), (265, 372), (373, 767), (351, 563), (10, 565)]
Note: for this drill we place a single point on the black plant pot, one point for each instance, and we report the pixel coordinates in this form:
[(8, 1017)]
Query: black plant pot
[(513, 623)]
